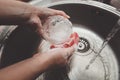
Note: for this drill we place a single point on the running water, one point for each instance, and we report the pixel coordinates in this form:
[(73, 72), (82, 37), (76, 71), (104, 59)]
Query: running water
[(115, 29), (105, 66)]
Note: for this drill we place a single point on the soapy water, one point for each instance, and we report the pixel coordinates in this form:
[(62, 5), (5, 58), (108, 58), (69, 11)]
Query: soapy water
[(95, 43), (104, 67), (57, 29)]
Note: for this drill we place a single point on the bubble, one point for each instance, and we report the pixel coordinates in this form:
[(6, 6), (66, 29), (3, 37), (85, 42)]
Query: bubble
[(57, 29)]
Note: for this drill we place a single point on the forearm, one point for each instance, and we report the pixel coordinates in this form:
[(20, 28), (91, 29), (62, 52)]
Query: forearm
[(27, 69), (14, 12)]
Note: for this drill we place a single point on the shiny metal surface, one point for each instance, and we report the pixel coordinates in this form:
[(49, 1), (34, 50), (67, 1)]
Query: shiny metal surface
[(93, 21), (84, 2), (105, 66)]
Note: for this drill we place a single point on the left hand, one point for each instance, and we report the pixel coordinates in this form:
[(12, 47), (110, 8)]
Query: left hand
[(38, 16)]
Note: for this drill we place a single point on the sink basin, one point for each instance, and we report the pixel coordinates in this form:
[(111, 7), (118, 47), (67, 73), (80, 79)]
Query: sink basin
[(93, 21)]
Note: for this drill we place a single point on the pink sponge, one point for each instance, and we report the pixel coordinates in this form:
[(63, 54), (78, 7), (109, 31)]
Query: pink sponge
[(74, 38)]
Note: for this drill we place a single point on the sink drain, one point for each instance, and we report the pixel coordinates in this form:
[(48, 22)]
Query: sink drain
[(83, 45)]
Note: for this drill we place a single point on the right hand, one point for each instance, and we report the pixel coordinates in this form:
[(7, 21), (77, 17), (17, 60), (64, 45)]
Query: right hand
[(60, 56), (57, 56)]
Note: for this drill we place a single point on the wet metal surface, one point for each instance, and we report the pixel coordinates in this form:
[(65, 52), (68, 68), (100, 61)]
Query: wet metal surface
[(105, 66), (93, 23)]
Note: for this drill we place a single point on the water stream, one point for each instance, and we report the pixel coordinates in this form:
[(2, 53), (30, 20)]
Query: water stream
[(112, 33), (88, 63)]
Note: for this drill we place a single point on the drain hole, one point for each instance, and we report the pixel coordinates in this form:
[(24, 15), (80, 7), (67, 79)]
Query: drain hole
[(83, 45)]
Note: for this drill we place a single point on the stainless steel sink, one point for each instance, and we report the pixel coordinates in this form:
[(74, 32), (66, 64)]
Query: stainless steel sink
[(92, 21)]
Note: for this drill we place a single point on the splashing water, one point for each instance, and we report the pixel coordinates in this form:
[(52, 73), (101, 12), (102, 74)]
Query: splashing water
[(115, 29), (104, 68)]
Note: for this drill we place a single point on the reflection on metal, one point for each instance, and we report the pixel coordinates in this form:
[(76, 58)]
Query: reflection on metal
[(83, 45), (5, 31), (105, 67), (115, 29), (90, 3)]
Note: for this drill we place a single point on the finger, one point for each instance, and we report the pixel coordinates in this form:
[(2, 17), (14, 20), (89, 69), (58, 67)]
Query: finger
[(51, 12), (62, 13), (35, 20), (69, 52)]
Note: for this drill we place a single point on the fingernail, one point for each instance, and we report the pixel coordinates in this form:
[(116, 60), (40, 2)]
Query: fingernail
[(68, 16)]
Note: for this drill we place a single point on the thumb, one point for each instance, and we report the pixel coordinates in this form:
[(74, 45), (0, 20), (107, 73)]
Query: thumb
[(69, 52), (35, 20)]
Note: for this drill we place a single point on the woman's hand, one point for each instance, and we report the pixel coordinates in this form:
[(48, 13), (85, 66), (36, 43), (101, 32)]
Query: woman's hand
[(17, 12), (36, 65), (38, 16), (56, 56)]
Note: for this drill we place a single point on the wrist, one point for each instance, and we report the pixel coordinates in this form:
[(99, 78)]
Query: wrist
[(28, 12), (43, 61)]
